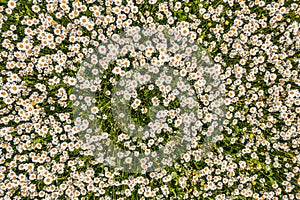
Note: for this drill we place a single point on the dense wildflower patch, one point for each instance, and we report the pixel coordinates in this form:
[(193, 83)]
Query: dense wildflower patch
[(254, 47)]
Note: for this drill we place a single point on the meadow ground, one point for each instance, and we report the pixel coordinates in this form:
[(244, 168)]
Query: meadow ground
[(81, 111)]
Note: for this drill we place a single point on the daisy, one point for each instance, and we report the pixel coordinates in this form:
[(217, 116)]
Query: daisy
[(48, 180), (144, 110), (12, 4), (184, 31), (3, 94), (116, 70)]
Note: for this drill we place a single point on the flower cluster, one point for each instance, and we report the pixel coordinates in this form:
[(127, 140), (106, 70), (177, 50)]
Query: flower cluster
[(47, 100), (181, 103)]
